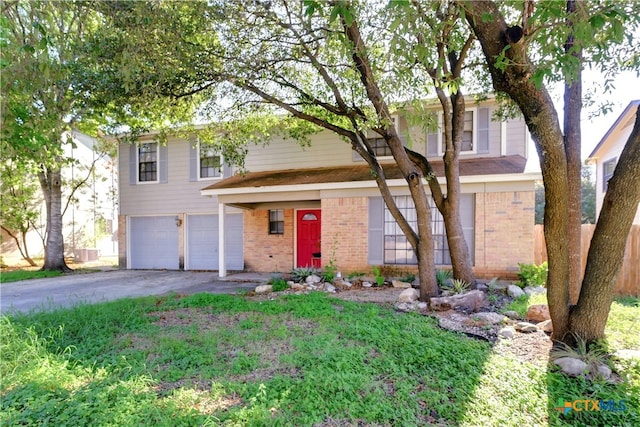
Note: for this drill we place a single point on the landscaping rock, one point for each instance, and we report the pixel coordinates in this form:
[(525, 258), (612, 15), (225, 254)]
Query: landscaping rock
[(472, 300), (298, 287), (482, 287), (526, 327), (263, 289), (514, 291), (399, 284), (409, 295), (507, 332), (512, 314), (342, 284), (328, 287), (366, 284), (603, 371), (313, 279), (497, 286), (533, 290), (571, 366), (545, 326), (423, 305), (538, 313), (489, 318)]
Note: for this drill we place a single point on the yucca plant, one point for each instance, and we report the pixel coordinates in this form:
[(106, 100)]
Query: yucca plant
[(456, 286), (442, 276)]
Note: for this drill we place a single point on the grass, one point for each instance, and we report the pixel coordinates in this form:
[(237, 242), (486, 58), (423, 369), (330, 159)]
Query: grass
[(297, 360), (17, 275)]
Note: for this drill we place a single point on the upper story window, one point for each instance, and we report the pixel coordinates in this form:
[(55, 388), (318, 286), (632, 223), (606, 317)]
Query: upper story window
[(379, 145), (148, 162), (608, 168), (475, 133), (468, 133), (210, 163)]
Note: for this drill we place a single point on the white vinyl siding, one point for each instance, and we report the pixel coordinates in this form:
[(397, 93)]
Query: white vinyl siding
[(178, 194)]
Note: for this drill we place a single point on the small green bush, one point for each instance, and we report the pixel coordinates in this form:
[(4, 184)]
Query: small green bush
[(409, 278), (532, 275), (279, 285), (456, 286), (300, 274), (442, 276), (379, 276)]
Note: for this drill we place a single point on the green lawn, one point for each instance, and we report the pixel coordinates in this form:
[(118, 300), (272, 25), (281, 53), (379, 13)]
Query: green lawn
[(17, 275), (297, 360)]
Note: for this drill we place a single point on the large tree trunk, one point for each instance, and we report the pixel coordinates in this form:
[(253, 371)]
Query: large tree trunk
[(542, 121), (458, 248), (589, 316), (572, 144), (51, 184)]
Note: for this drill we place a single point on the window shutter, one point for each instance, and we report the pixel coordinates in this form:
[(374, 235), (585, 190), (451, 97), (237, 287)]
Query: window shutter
[(193, 162), (483, 130), (355, 156), (227, 170), (163, 164), (432, 144), (133, 164), (467, 217), (376, 231)]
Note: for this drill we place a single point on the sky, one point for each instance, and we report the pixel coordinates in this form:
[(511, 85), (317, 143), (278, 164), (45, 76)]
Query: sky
[(594, 127)]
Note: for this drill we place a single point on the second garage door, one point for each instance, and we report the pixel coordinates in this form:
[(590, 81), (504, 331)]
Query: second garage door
[(202, 242)]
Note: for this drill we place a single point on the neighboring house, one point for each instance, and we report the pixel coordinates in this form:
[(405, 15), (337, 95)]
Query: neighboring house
[(309, 206), (88, 223), (605, 155)]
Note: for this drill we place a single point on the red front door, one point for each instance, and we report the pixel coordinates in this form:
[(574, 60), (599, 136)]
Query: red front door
[(308, 223)]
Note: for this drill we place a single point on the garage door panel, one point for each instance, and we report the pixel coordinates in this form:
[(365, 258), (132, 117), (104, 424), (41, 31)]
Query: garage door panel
[(154, 243), (202, 242)]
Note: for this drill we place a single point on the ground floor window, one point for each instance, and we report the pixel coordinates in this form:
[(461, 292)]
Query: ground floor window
[(397, 249)]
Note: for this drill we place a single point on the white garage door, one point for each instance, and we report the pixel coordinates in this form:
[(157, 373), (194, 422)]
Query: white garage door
[(202, 242), (154, 242)]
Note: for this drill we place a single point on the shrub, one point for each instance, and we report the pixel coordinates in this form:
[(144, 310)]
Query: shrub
[(409, 278), (279, 285), (456, 286), (379, 276), (300, 274), (442, 276), (532, 275)]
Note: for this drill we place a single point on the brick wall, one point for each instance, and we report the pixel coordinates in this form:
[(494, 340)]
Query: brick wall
[(264, 251), (122, 241), (504, 236), (345, 226), (504, 233)]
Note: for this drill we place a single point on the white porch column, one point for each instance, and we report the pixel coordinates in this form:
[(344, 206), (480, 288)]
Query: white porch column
[(222, 256)]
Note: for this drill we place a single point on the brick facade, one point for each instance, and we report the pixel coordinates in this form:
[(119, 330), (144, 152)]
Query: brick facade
[(267, 252), (504, 236), (345, 226), (504, 233)]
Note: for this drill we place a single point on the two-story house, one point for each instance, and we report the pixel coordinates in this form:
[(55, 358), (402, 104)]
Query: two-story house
[(606, 153), (308, 206)]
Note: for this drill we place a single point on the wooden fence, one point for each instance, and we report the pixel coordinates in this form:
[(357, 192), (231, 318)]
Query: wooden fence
[(628, 282)]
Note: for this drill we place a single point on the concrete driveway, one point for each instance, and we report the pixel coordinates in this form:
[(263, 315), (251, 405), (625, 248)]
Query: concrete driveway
[(69, 290)]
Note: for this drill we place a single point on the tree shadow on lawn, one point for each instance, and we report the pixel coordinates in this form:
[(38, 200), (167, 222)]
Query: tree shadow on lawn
[(295, 360)]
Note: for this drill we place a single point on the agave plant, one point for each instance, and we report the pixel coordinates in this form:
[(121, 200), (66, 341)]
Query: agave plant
[(442, 276), (456, 286)]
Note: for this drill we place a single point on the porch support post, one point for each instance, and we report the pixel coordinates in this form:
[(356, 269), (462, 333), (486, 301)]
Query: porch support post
[(222, 256)]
